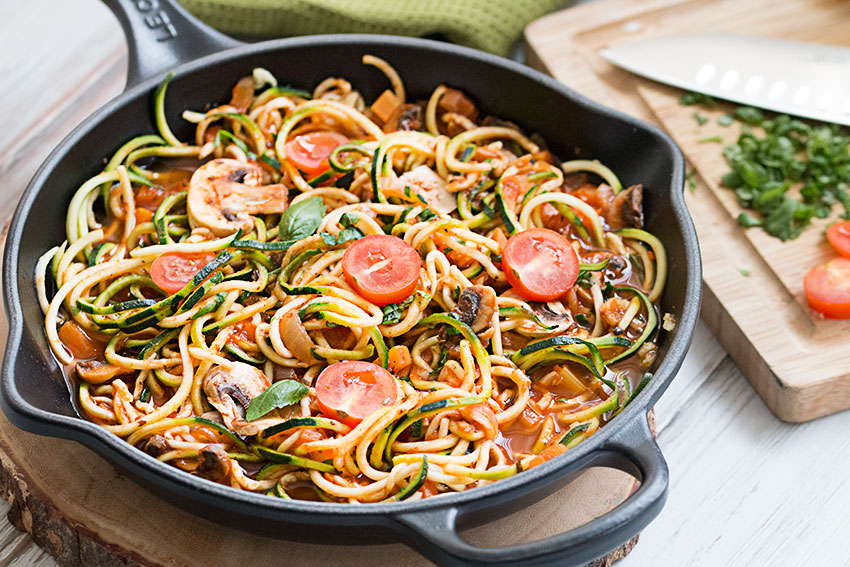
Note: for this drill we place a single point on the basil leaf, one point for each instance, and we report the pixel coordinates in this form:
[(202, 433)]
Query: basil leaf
[(348, 220), (348, 234), (328, 238), (301, 219), (278, 395), (392, 311)]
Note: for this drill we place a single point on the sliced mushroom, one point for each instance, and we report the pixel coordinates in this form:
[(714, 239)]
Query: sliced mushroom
[(407, 117), (156, 445), (215, 464), (551, 314), (429, 186), (476, 306), (230, 389), (224, 193), (98, 372), (626, 209)]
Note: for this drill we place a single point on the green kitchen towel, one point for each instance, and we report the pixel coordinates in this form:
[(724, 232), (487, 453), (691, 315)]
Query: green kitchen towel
[(491, 25)]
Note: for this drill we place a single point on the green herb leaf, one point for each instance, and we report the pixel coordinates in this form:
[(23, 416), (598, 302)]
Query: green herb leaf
[(427, 214), (301, 219), (688, 99), (393, 311), (711, 139), (725, 120), (743, 272), (278, 395), (328, 238), (348, 220), (701, 120), (748, 221), (749, 115)]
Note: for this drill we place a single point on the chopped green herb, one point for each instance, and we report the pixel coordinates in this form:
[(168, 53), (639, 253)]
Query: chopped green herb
[(688, 99), (743, 272), (393, 311), (691, 180), (427, 214), (789, 153), (711, 139), (701, 120), (749, 115), (725, 120)]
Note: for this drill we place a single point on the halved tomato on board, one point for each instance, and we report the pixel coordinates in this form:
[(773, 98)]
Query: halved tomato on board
[(351, 390), (173, 270), (540, 264), (382, 269), (838, 235), (827, 288), (309, 152)]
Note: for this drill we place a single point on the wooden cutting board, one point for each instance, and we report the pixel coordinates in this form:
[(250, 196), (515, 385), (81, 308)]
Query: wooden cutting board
[(797, 361)]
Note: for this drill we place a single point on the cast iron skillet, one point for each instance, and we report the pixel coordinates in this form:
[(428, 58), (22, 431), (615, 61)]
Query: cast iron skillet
[(163, 37)]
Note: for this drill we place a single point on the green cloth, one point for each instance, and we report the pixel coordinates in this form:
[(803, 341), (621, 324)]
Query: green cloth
[(490, 25)]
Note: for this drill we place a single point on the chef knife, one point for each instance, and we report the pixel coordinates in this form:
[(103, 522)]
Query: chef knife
[(792, 77)]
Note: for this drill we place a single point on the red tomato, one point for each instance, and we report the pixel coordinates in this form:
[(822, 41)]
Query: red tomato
[(350, 391), (309, 152), (173, 270), (540, 264), (383, 269), (827, 288), (838, 235)]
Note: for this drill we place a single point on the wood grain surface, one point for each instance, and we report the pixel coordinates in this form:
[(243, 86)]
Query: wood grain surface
[(796, 359)]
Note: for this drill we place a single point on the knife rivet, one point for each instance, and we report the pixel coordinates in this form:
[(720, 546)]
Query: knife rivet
[(753, 85), (777, 90), (802, 94), (729, 79), (706, 73)]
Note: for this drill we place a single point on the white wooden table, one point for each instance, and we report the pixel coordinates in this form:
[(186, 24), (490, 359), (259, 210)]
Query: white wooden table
[(746, 488)]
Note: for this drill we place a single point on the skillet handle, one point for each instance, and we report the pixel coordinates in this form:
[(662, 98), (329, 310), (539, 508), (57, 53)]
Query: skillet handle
[(634, 451), (161, 34)]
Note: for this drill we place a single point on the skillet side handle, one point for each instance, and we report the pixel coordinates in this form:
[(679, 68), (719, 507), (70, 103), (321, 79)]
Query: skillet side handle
[(161, 34), (634, 451)]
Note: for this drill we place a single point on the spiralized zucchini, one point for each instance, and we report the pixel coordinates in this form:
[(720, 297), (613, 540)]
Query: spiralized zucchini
[(215, 373)]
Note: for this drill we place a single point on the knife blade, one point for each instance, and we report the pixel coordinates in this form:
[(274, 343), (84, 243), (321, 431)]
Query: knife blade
[(791, 77)]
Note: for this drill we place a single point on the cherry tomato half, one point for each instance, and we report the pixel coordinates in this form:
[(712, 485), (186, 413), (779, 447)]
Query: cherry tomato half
[(349, 391), (173, 270), (309, 152), (827, 288), (381, 268), (540, 264), (838, 235)]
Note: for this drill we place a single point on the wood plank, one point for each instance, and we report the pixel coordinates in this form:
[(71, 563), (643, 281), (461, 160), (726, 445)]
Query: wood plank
[(793, 357)]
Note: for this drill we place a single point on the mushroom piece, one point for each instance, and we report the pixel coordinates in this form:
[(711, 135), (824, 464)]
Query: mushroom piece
[(98, 372), (551, 314), (224, 193), (215, 464), (230, 389), (476, 306), (626, 210), (424, 181), (407, 117), (156, 445)]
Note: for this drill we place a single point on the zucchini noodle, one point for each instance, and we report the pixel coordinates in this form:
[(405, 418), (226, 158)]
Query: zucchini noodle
[(202, 293)]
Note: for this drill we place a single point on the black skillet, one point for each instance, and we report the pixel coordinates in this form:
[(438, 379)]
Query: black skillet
[(163, 37)]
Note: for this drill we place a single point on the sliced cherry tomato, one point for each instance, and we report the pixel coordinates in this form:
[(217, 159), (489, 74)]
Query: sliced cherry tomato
[(540, 264), (350, 391), (838, 235), (827, 288), (173, 270), (309, 152), (381, 268)]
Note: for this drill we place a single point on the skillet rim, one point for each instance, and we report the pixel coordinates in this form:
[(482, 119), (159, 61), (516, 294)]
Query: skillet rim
[(115, 449)]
